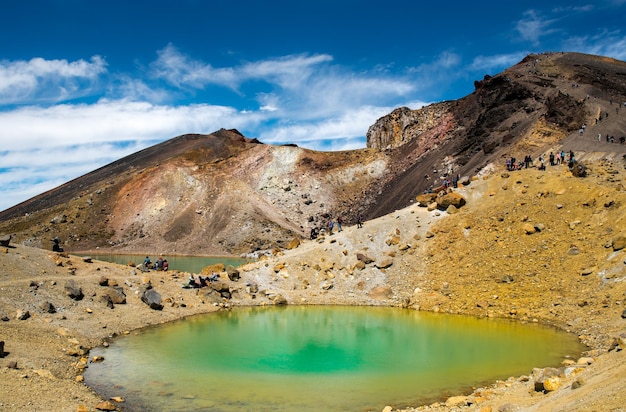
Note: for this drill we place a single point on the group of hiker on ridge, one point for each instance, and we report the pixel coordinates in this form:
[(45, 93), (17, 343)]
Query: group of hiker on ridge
[(554, 159)]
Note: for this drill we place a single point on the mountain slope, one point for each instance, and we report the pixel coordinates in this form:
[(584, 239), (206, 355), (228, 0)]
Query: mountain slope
[(226, 194)]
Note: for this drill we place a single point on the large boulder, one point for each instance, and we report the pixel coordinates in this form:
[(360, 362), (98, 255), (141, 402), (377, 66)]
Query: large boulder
[(233, 273), (211, 269), (452, 198), (380, 293), (222, 288), (579, 170), (295, 242), (73, 290), (547, 379), (5, 240), (425, 199), (115, 295), (152, 298)]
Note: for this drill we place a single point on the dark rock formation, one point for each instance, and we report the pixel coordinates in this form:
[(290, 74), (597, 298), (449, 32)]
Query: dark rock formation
[(5, 240), (152, 298)]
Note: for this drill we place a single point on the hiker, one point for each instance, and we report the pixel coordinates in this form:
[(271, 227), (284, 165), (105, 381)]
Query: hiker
[(56, 246), (191, 283), (359, 221), (146, 264), (331, 224), (339, 222), (159, 263), (166, 265)]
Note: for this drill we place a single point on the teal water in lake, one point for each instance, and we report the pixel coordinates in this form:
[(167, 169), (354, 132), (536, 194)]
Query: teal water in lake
[(318, 358), (191, 264)]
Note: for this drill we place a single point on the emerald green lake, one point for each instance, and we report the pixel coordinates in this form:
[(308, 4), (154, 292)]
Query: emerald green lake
[(315, 358), (191, 264)]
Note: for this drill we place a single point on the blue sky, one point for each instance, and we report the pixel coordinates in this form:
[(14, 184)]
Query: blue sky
[(84, 83)]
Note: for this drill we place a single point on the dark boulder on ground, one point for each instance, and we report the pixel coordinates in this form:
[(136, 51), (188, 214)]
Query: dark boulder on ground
[(73, 290), (579, 170), (115, 294), (152, 298), (48, 307), (5, 240)]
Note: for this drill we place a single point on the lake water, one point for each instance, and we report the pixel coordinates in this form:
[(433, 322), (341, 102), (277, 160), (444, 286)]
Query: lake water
[(191, 264), (317, 358)]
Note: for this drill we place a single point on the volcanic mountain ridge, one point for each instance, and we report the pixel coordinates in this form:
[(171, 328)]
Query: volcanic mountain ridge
[(224, 193)]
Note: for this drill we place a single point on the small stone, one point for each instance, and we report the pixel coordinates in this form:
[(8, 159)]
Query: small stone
[(578, 383), (22, 314), (619, 243), (106, 406), (455, 401), (529, 228), (384, 264), (551, 384)]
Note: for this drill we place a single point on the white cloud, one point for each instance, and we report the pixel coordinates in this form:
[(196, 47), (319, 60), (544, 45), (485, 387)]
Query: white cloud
[(307, 101), (300, 85), (45, 146), (603, 43), (39, 80), (182, 71), (533, 26), (496, 62)]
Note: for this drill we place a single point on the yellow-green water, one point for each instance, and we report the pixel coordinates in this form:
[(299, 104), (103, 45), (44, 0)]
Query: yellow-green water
[(318, 359), (191, 264)]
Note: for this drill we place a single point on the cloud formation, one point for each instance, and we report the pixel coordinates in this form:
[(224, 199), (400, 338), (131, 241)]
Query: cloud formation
[(46, 81)]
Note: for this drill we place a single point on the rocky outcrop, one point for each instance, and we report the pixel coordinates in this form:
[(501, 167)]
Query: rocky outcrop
[(403, 125)]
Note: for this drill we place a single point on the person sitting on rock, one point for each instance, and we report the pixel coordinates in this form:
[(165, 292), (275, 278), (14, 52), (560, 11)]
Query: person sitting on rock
[(166, 265), (159, 263)]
